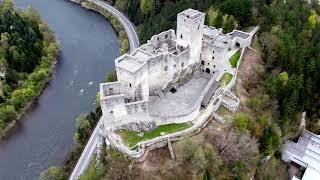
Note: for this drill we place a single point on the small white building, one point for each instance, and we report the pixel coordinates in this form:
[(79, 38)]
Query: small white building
[(304, 153)]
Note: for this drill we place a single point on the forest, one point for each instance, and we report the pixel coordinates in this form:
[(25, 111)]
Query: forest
[(289, 45), (289, 41), (27, 55), (289, 37)]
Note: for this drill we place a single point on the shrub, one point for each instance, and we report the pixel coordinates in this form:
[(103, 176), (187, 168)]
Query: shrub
[(270, 141), (111, 76), (241, 121), (21, 97), (93, 173), (7, 114), (258, 103), (189, 151), (225, 79), (53, 173), (124, 46)]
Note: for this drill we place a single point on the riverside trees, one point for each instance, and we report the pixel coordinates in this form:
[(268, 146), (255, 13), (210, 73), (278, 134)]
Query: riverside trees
[(27, 54)]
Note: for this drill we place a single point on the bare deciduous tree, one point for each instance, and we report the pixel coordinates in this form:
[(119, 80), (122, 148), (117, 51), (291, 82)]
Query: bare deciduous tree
[(237, 146)]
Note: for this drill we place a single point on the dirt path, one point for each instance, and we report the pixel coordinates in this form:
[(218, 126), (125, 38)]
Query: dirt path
[(247, 74)]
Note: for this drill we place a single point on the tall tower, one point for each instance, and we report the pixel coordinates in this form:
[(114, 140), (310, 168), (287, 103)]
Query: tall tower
[(190, 24)]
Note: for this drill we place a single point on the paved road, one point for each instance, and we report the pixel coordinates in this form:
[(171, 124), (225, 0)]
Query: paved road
[(127, 24), (93, 141), (86, 154)]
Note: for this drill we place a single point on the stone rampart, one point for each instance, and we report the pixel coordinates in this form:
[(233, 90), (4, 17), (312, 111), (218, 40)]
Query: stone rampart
[(138, 152), (139, 106), (187, 114)]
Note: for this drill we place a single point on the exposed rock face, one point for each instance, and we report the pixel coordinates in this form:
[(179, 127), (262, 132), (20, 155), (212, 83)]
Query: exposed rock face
[(140, 126)]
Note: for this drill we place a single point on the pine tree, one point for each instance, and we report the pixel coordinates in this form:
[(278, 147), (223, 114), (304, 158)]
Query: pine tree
[(219, 20), (229, 25)]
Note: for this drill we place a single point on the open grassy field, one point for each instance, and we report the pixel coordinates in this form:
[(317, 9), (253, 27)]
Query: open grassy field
[(225, 79), (131, 138), (235, 58)]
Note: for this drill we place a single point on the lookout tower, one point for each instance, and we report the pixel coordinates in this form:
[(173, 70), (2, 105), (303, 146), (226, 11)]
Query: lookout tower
[(190, 24)]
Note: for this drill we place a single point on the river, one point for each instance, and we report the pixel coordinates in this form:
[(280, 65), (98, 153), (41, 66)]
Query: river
[(45, 135)]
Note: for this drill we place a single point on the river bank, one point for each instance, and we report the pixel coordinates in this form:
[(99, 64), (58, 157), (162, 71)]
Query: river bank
[(39, 78), (92, 117), (44, 136), (123, 38)]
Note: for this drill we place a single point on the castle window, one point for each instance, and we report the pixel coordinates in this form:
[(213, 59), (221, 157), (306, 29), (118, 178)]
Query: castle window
[(208, 70), (237, 44), (202, 62), (198, 26), (214, 66), (111, 112), (181, 36), (166, 68), (212, 57), (166, 36), (173, 90), (208, 63), (213, 52), (182, 64), (158, 38), (129, 84), (174, 66)]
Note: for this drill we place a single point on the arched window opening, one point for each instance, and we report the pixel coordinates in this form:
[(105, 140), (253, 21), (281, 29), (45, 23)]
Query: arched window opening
[(173, 90)]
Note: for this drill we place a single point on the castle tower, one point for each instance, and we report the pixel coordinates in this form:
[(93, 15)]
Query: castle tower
[(190, 25)]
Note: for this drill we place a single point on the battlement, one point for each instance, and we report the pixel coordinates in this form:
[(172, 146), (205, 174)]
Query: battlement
[(191, 14)]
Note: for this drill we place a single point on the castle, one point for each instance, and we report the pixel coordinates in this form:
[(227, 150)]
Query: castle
[(171, 77)]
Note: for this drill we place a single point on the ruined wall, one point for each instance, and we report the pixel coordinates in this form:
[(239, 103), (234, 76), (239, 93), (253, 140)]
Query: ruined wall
[(113, 105), (166, 69), (139, 106), (212, 57), (166, 37), (242, 42), (187, 114), (190, 31), (112, 88), (124, 76)]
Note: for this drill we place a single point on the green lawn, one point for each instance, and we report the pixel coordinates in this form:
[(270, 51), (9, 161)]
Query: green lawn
[(131, 138), (235, 58), (225, 79)]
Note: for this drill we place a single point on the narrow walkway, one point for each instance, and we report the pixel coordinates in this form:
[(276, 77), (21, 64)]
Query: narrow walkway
[(93, 141)]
